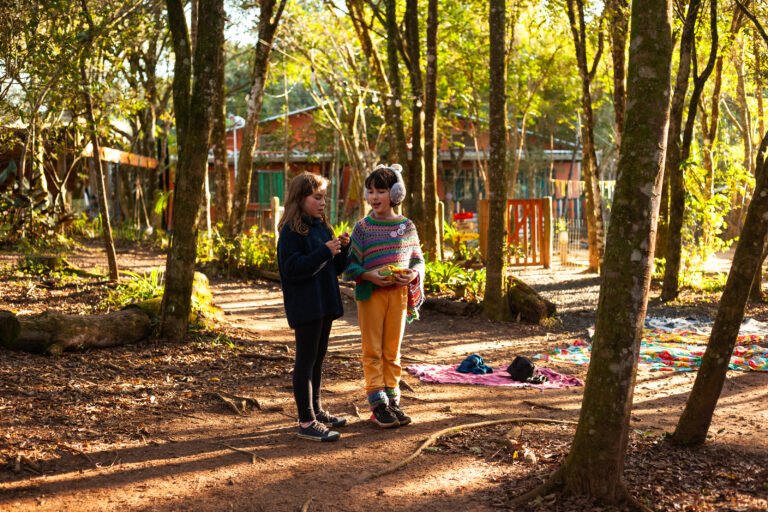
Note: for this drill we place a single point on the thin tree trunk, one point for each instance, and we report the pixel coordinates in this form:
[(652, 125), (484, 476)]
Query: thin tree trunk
[(697, 416), (672, 163), (395, 100), (494, 302), (594, 208), (431, 234), (196, 121), (670, 287), (414, 178), (619, 27), (269, 19), (223, 192), (109, 243)]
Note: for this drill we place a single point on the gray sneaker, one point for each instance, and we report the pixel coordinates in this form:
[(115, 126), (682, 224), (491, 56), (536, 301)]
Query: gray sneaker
[(329, 420), (316, 431)]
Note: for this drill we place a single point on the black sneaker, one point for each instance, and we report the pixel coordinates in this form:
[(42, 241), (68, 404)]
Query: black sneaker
[(329, 420), (316, 431), (383, 417), (402, 418)]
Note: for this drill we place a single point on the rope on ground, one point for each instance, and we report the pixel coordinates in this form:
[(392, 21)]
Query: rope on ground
[(434, 437)]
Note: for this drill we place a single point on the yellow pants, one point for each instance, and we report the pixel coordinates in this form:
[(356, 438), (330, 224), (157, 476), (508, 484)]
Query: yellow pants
[(382, 324)]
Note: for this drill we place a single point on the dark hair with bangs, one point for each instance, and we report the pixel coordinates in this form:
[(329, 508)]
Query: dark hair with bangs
[(381, 178)]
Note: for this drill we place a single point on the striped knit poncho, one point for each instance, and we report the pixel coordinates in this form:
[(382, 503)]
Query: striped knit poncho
[(377, 243)]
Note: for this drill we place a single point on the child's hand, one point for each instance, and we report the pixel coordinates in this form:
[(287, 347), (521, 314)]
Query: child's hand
[(405, 276), (344, 239), (334, 245), (376, 278)]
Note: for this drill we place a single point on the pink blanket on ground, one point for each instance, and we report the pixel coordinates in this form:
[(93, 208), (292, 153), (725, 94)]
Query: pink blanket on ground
[(446, 374)]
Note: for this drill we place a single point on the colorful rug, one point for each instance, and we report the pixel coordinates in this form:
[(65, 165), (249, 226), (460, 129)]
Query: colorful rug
[(447, 374), (672, 351)]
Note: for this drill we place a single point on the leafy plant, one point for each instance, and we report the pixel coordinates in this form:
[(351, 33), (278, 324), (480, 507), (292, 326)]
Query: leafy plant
[(137, 288)]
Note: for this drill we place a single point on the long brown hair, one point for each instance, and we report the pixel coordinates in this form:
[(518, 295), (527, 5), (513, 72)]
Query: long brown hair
[(301, 187)]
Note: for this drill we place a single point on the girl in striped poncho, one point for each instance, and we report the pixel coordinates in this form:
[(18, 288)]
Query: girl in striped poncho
[(386, 263)]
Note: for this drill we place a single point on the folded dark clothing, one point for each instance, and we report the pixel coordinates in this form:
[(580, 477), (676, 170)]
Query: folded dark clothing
[(474, 364)]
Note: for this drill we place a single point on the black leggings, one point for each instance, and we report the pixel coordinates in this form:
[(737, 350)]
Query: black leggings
[(311, 346)]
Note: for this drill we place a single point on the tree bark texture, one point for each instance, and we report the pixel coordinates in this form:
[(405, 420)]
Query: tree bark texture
[(396, 90), (670, 286), (618, 17), (590, 172), (595, 463), (415, 171), (269, 18), (494, 302), (195, 124), (431, 233), (53, 332), (697, 416), (223, 191), (674, 157)]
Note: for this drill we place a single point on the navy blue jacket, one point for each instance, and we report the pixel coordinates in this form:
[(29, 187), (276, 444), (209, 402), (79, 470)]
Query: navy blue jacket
[(309, 274)]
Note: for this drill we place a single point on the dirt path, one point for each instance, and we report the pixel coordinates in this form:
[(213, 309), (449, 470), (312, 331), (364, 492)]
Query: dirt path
[(175, 452)]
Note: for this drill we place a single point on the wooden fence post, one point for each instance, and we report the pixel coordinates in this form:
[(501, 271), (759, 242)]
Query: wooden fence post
[(546, 245)]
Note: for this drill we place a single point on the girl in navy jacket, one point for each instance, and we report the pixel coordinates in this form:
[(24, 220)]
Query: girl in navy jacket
[(310, 259)]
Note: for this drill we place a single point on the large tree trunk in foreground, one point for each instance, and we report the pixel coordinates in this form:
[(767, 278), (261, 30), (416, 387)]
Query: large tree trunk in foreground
[(53, 332), (495, 303), (595, 464)]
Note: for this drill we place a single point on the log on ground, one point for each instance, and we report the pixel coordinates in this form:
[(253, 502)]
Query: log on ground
[(527, 303), (52, 332)]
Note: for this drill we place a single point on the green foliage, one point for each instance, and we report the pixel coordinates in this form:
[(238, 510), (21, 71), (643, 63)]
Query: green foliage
[(247, 254), (447, 276), (708, 203), (342, 227), (137, 288)]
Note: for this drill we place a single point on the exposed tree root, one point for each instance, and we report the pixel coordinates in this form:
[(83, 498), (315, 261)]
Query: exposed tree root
[(556, 483), (232, 402), (404, 385), (434, 437), (305, 507), (252, 455)]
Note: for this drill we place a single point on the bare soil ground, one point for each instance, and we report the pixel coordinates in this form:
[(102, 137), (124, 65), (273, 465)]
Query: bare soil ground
[(141, 428)]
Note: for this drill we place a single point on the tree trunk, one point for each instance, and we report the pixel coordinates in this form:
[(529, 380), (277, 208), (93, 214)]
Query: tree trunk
[(357, 15), (53, 332), (109, 243), (697, 416), (618, 18), (223, 193), (670, 287), (431, 233), (415, 175), (494, 302), (401, 150), (595, 463), (195, 125), (269, 19), (594, 207), (673, 160)]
